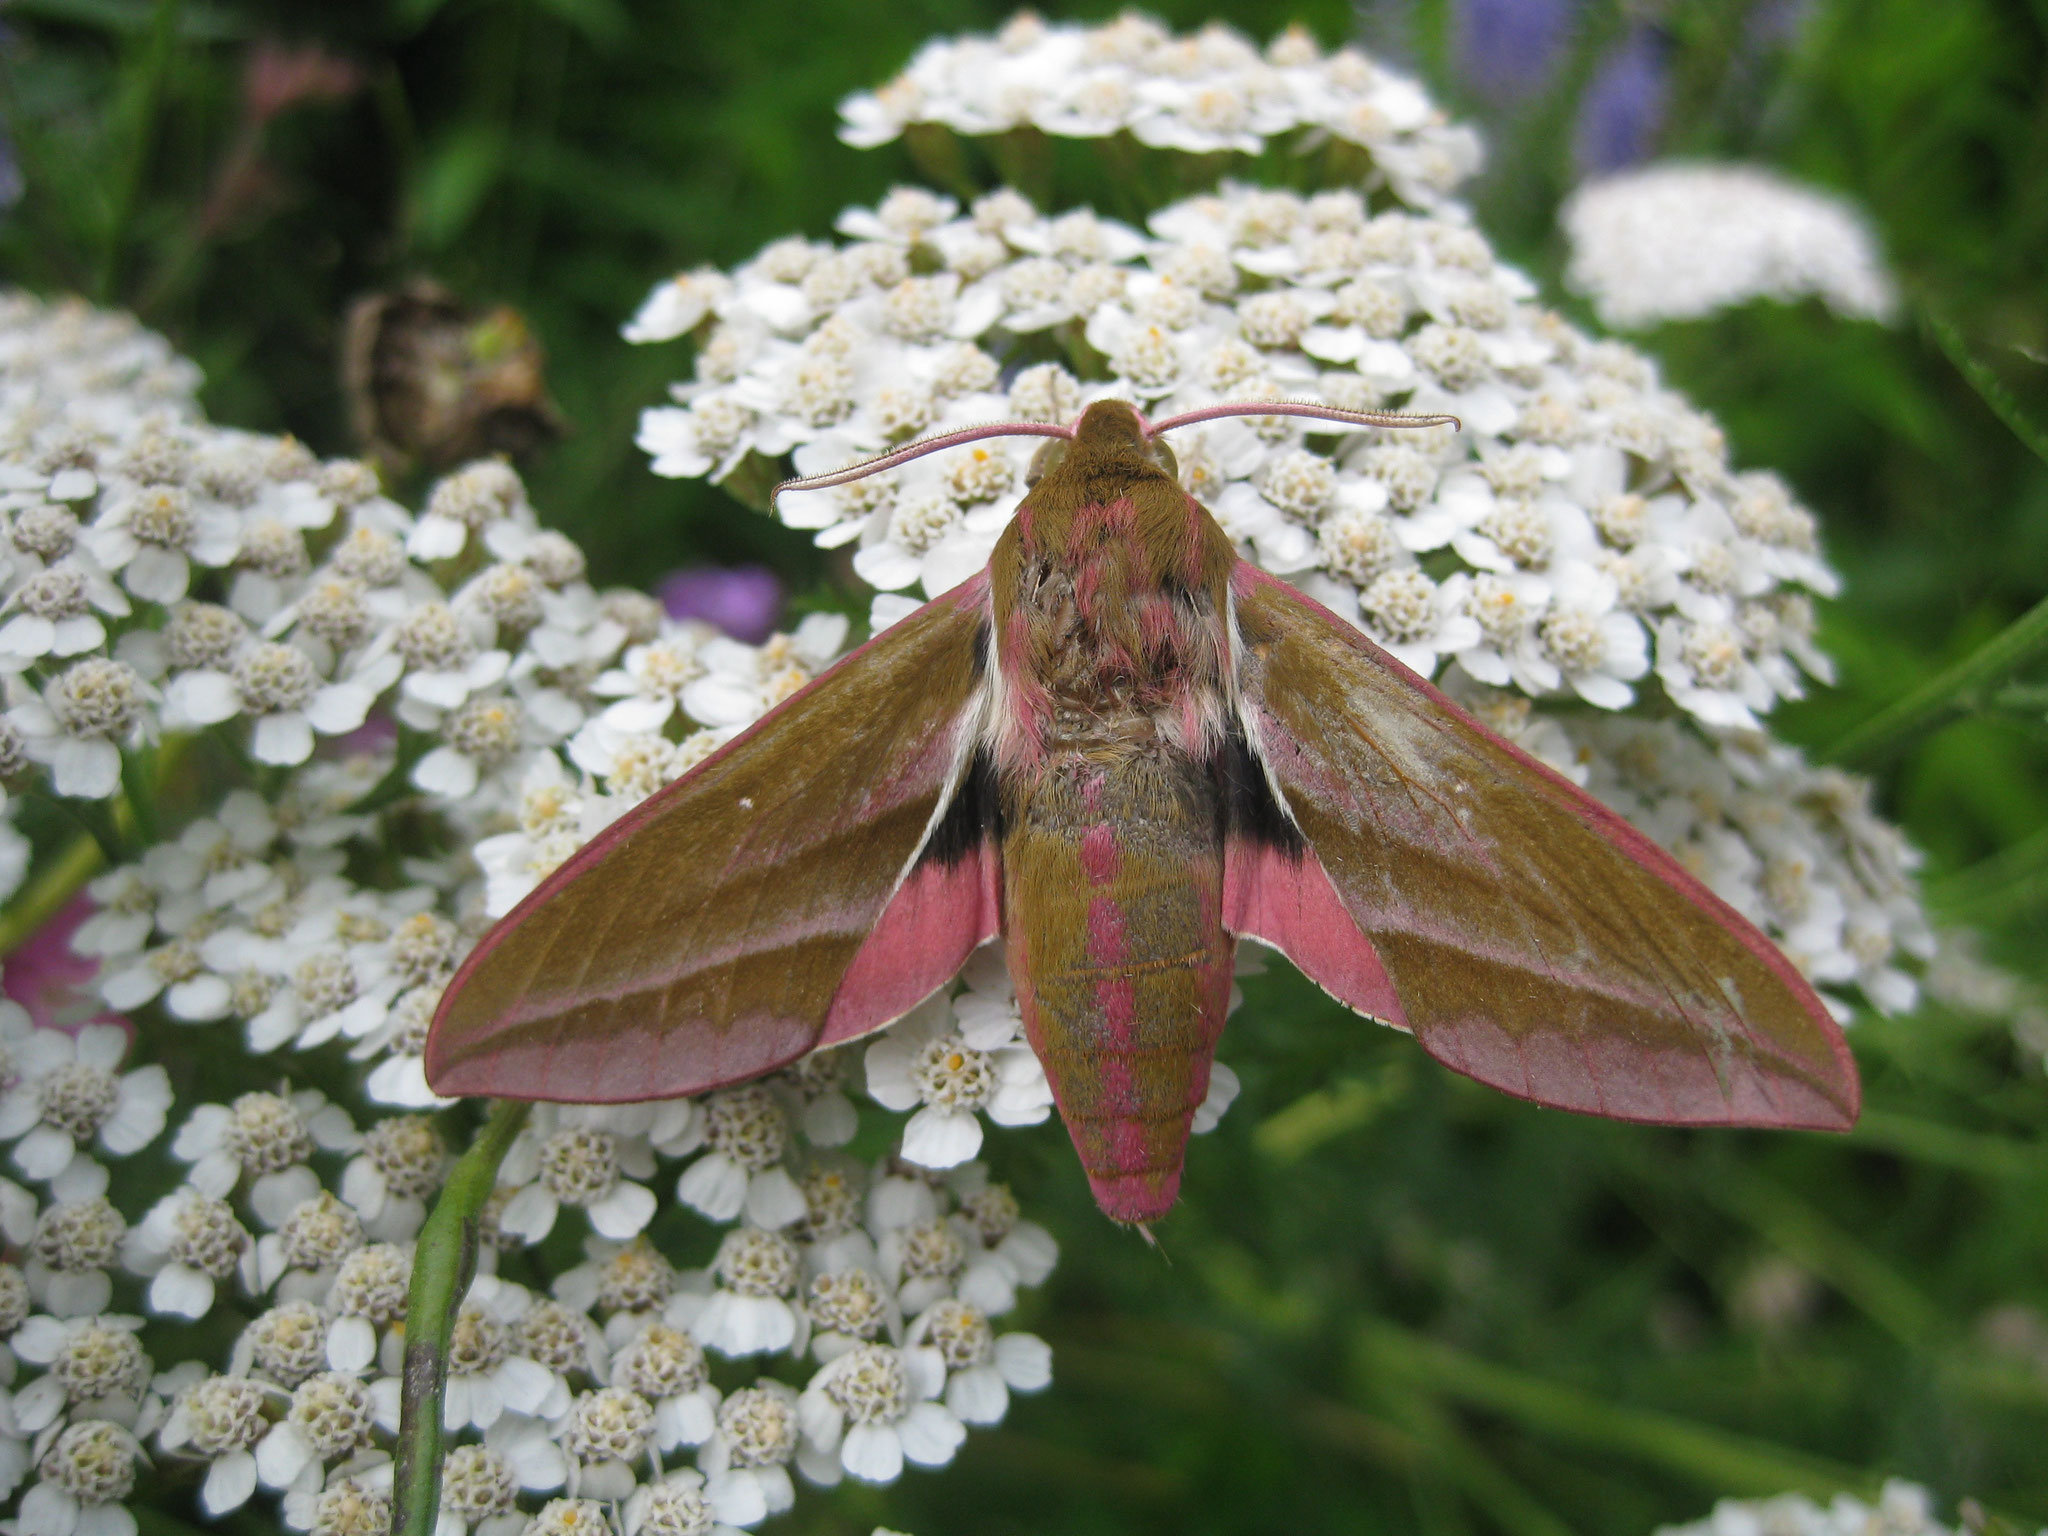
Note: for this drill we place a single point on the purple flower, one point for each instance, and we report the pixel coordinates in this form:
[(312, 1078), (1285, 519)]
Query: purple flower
[(374, 735), (744, 600), (1623, 107), (1508, 48)]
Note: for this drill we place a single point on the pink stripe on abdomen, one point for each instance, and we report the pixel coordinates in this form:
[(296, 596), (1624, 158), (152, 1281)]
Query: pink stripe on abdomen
[(1113, 884)]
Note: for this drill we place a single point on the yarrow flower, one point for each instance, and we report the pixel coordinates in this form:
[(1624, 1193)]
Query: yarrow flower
[(871, 1409), (1903, 1508), (1678, 241), (67, 1097), (954, 1057), (1211, 92), (161, 577)]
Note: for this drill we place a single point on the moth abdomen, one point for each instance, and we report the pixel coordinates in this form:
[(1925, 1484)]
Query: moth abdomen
[(1113, 887)]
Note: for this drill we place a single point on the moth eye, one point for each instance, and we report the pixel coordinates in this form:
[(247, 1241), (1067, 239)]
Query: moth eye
[(1163, 457), (1046, 460)]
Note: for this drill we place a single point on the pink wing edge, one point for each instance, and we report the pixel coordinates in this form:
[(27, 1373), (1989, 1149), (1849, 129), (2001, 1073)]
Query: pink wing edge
[(938, 916), (1287, 901), (1292, 905)]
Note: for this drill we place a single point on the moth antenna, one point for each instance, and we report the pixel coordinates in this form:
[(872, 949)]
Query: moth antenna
[(1308, 408), (862, 468)]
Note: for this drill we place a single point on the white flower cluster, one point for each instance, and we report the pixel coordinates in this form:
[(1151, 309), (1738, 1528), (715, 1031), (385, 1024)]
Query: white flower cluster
[(1584, 536), (1678, 241), (1959, 976), (1902, 1509), (1214, 92), (481, 696), (1583, 541)]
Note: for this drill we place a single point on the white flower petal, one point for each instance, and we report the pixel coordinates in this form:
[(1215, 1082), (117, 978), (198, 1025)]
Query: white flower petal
[(445, 771), (1025, 1361), (281, 1455), (773, 1199), (978, 1395), (930, 1434), (530, 1213), (86, 768), (285, 739), (44, 1152), (46, 1510), (181, 1291), (624, 1212), (203, 697), (160, 575), (351, 1344), (715, 1185), (941, 1138), (229, 1482), (872, 1453), (339, 707)]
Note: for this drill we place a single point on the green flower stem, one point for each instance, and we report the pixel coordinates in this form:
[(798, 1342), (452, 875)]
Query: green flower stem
[(752, 480), (56, 884), (1347, 1105), (111, 836), (2010, 882), (93, 818), (1023, 158), (1718, 1459), (2022, 699), (134, 122), (442, 1267), (1993, 393), (1974, 682), (1945, 1146), (939, 155), (1970, 684), (139, 791), (1471, 1471), (1809, 1239)]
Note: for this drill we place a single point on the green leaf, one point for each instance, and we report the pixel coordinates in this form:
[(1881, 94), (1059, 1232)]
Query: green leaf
[(454, 180), (604, 23), (1968, 684)]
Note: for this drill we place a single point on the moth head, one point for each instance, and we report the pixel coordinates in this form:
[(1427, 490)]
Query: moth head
[(1116, 429), (1108, 427)]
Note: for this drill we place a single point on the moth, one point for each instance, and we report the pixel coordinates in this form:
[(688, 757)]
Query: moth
[(1124, 749)]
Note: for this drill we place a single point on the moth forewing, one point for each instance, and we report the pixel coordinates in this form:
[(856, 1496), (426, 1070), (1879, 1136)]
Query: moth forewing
[(705, 937), (1534, 939)]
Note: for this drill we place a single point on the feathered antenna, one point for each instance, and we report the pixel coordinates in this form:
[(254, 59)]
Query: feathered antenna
[(917, 450), (1308, 408)]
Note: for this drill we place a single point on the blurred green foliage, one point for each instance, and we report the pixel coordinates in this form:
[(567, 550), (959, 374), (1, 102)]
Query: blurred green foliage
[(1390, 1301)]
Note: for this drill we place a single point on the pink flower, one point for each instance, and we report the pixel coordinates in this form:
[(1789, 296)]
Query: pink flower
[(47, 978)]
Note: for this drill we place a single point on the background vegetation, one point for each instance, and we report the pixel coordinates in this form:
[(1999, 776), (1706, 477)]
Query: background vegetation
[(1391, 1301)]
